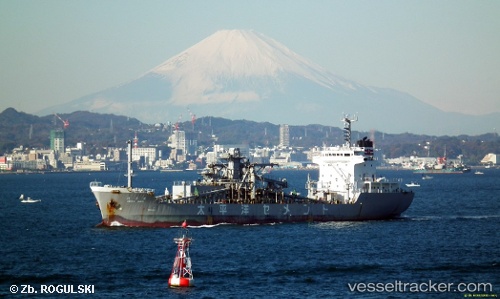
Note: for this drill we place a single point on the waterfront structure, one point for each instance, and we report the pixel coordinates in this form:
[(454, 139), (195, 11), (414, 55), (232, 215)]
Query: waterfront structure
[(490, 159)]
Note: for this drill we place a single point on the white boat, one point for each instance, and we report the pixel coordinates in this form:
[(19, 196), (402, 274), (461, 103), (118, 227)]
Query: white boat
[(427, 177), (478, 172), (412, 184), (28, 200)]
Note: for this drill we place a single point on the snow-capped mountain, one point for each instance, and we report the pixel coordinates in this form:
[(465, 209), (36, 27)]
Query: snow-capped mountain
[(242, 74), (258, 62)]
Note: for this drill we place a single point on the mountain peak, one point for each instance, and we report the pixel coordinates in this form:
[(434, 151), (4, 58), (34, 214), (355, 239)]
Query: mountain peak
[(231, 52), (230, 55)]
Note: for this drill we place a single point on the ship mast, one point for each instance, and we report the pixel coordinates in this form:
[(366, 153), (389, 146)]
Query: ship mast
[(347, 128), (129, 166)]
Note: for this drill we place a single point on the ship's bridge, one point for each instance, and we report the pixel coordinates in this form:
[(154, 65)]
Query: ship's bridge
[(340, 154)]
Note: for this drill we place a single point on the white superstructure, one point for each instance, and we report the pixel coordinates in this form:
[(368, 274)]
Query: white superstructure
[(347, 170)]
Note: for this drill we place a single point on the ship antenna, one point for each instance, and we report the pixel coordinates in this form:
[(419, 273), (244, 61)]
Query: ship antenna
[(129, 166), (347, 128)]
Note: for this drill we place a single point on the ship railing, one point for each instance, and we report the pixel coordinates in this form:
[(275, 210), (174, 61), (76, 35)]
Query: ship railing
[(211, 182), (275, 180), (382, 180), (382, 186), (205, 197), (143, 190), (181, 183), (95, 184)]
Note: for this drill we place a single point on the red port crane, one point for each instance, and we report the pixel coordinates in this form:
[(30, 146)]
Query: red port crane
[(65, 122)]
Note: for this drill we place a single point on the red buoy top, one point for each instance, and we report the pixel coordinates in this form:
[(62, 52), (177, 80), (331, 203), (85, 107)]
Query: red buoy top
[(184, 224)]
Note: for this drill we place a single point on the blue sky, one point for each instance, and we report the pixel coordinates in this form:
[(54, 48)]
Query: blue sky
[(445, 53)]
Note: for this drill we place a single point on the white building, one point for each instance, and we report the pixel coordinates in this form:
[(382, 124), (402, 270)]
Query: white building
[(149, 153), (490, 159), (177, 142), (284, 136)]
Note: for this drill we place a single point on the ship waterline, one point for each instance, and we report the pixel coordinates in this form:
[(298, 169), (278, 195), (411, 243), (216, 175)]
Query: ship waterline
[(129, 209)]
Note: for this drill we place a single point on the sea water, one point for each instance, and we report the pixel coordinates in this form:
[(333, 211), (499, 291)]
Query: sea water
[(448, 239)]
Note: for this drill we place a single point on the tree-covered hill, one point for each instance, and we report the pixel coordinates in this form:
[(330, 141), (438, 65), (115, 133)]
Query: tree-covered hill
[(109, 130)]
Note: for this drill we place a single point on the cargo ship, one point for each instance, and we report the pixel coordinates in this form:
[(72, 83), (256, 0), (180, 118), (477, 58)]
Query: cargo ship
[(442, 167), (235, 191)]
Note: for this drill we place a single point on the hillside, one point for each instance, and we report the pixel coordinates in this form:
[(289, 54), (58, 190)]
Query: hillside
[(109, 130)]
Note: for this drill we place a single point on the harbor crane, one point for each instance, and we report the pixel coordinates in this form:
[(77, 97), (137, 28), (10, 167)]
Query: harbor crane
[(65, 122), (193, 118)]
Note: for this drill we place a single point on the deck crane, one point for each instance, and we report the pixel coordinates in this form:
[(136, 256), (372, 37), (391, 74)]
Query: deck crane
[(65, 122)]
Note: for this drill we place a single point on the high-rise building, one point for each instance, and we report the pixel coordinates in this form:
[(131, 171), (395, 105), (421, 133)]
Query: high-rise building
[(177, 142), (57, 141), (284, 136)]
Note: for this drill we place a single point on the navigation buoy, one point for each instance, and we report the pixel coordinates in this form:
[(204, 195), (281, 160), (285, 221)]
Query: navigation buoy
[(182, 275)]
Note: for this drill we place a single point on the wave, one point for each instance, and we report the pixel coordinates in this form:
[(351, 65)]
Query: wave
[(258, 224), (41, 278), (298, 272), (204, 225), (462, 267), (450, 217), (116, 223), (338, 224), (225, 224)]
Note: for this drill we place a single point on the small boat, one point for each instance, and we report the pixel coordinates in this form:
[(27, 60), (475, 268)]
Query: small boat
[(413, 184), (28, 200), (478, 172), (427, 177)]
